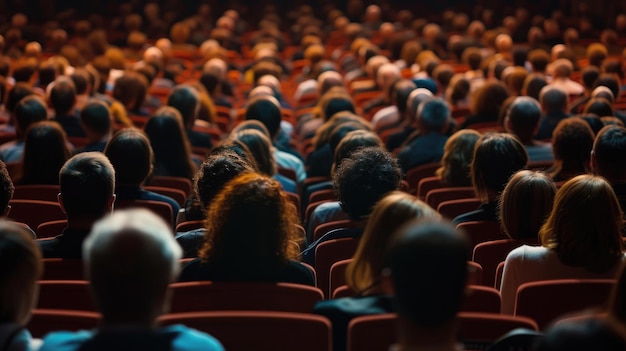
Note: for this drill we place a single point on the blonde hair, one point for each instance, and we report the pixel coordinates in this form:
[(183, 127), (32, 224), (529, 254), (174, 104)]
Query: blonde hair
[(390, 213)]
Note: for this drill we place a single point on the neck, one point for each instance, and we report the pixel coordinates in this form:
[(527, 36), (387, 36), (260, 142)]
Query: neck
[(81, 223), (128, 320), (411, 337)]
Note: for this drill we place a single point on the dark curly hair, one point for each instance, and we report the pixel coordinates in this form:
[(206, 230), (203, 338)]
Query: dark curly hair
[(250, 225), (217, 170), (364, 178)]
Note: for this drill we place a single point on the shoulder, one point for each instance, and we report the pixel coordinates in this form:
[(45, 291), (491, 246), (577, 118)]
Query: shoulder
[(526, 253), (194, 270), (190, 339), (354, 306), (300, 274), (65, 341)]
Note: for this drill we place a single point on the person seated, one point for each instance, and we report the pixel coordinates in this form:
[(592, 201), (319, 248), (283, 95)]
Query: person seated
[(45, 152), (131, 156), (131, 257), (29, 110), (360, 181), (432, 120), (496, 158), (486, 103), (172, 150), (250, 227), (62, 98), (186, 100), (572, 142), (554, 106), (20, 252), (364, 272), (458, 153), (96, 121), (87, 183), (522, 120), (581, 239), (427, 252), (220, 167)]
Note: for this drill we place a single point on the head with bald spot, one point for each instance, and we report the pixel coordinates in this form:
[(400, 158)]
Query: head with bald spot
[(603, 92), (374, 63), (216, 66), (130, 259), (504, 43), (386, 75), (415, 99)]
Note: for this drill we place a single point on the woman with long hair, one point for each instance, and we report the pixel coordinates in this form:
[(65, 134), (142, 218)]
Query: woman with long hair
[(581, 239), (172, 152), (45, 152)]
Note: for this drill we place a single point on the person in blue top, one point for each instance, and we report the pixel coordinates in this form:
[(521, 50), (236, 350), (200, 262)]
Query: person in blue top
[(130, 259)]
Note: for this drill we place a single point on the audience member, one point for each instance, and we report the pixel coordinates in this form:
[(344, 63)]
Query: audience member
[(366, 269), (496, 158), (432, 120), (186, 100), (554, 106), (436, 253), (62, 98), (172, 152), (28, 111), (572, 142), (87, 183), (130, 260), (132, 158), (458, 153), (581, 239), (522, 120), (609, 149), (249, 229), (96, 121), (45, 152), (360, 181)]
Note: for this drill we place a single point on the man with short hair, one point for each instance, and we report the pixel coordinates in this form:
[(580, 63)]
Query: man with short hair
[(522, 120), (95, 118), (87, 183), (427, 252), (432, 120), (553, 102), (266, 109), (130, 259)]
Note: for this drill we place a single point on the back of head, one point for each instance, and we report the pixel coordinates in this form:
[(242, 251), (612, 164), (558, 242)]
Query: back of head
[(525, 204), (572, 141), (260, 147), (45, 152), (18, 285), (354, 140), (250, 220), (28, 111), (130, 258), (524, 115), (62, 96), (584, 227), (608, 153), (218, 169), (186, 101), (553, 99), (267, 110), (96, 118), (458, 154), (600, 107), (496, 158), (364, 178), (433, 115), (392, 212), (87, 182), (428, 266), (131, 155), (610, 81)]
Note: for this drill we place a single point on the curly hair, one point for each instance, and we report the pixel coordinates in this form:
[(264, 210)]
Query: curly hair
[(250, 225), (216, 171), (364, 178)]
